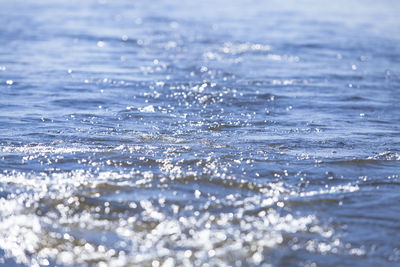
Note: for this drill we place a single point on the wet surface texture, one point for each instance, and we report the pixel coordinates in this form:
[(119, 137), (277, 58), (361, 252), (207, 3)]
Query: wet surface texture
[(229, 133)]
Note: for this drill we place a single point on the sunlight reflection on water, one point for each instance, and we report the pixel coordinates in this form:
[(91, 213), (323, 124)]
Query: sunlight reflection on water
[(208, 133)]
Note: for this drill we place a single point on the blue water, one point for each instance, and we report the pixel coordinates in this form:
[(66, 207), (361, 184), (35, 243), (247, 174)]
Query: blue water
[(207, 133)]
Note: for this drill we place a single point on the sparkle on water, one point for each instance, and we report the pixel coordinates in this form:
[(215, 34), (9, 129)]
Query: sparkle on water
[(207, 133)]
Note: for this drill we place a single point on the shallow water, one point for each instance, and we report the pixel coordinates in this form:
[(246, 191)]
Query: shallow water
[(212, 132)]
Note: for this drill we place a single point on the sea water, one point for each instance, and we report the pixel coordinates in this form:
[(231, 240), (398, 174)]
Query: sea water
[(199, 133)]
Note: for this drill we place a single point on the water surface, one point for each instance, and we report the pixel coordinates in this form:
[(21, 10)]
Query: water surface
[(228, 133)]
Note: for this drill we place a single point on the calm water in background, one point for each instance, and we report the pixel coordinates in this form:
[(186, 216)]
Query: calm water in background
[(221, 132)]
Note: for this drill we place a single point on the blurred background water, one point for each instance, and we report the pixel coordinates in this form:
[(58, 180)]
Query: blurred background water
[(227, 133)]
